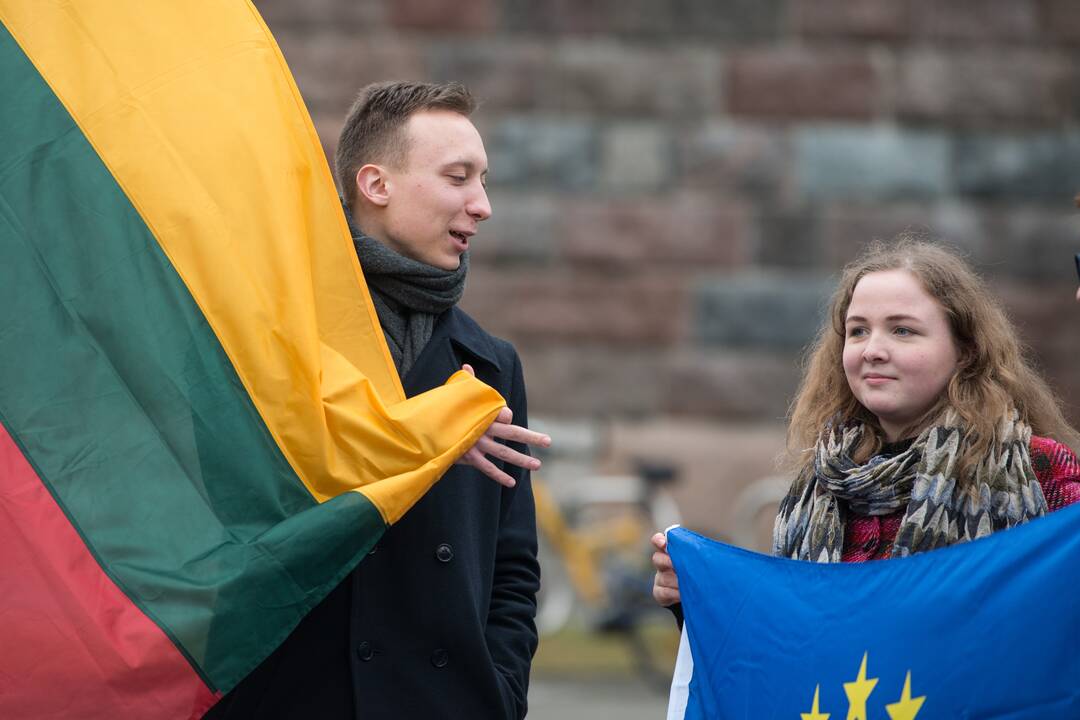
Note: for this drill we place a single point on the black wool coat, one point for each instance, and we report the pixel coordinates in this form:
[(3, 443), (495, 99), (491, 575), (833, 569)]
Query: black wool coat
[(437, 621)]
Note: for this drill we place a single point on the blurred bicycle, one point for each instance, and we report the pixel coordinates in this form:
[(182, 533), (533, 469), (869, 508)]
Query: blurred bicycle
[(594, 555)]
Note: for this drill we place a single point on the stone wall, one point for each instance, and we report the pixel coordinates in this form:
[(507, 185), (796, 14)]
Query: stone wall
[(675, 183)]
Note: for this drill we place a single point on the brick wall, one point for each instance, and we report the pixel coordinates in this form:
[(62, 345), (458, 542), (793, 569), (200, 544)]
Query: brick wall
[(674, 182)]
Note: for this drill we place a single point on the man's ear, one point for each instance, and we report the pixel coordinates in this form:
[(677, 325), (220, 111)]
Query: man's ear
[(373, 184)]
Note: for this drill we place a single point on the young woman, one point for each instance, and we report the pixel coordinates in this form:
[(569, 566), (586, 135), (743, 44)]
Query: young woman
[(919, 422)]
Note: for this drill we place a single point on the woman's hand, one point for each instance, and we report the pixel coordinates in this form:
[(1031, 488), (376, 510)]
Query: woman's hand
[(665, 589)]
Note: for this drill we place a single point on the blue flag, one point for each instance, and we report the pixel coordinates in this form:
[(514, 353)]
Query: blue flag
[(988, 629)]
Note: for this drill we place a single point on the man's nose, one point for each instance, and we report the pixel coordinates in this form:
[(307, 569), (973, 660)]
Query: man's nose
[(479, 207)]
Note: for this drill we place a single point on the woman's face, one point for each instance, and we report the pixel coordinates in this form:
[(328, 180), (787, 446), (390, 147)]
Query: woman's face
[(899, 352)]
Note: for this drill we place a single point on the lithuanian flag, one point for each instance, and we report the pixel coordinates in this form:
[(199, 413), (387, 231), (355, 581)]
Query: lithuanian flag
[(201, 429)]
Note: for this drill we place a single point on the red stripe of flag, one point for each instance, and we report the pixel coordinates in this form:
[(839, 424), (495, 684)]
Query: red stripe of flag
[(71, 642)]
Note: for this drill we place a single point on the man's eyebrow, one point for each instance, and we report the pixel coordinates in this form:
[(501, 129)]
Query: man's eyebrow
[(469, 165)]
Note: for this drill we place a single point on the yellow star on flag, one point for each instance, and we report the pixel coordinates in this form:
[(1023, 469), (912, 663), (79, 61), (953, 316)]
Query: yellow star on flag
[(814, 714), (858, 692), (907, 707)]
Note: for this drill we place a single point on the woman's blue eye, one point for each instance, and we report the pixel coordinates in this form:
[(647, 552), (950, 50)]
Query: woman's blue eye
[(856, 332), (903, 331)]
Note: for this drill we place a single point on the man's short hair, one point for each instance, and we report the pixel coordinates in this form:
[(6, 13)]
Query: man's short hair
[(374, 130)]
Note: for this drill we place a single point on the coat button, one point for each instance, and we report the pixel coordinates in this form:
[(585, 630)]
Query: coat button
[(444, 553), (364, 651), (440, 658)]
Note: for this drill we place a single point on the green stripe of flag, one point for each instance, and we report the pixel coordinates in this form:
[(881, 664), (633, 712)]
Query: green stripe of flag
[(118, 392)]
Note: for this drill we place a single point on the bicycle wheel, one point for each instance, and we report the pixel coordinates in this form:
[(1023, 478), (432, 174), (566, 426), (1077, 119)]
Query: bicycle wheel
[(555, 601)]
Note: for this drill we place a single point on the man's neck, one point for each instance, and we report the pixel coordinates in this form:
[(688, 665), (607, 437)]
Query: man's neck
[(361, 224)]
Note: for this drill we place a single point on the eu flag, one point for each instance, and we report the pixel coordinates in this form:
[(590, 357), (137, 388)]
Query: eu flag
[(986, 630)]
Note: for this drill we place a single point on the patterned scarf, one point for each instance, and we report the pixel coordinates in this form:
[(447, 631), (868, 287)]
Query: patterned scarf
[(922, 480)]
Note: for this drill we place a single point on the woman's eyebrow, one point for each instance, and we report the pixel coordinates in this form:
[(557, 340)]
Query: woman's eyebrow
[(890, 318)]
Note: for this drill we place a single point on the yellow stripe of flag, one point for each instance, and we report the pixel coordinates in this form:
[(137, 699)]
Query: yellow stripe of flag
[(204, 129)]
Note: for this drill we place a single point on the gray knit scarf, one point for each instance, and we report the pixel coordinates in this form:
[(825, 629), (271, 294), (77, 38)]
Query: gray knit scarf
[(408, 295), (922, 480)]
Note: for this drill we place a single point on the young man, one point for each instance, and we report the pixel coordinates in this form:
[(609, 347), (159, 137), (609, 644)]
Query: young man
[(437, 622)]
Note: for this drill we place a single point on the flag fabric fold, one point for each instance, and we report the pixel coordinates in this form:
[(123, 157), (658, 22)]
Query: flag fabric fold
[(201, 429), (986, 629)]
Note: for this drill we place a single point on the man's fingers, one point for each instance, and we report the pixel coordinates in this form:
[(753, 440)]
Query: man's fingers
[(518, 434), (659, 541), (476, 458), (502, 429), (662, 562), (487, 446)]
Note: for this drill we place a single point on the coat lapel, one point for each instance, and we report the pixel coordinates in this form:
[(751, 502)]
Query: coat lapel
[(455, 340)]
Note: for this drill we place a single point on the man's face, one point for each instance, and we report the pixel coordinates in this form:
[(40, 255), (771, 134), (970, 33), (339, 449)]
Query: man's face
[(438, 198)]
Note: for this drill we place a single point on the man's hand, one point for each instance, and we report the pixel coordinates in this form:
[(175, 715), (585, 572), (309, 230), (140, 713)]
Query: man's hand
[(665, 589), (502, 429)]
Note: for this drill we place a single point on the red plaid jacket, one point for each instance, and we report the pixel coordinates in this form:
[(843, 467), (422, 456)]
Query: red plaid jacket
[(1056, 467)]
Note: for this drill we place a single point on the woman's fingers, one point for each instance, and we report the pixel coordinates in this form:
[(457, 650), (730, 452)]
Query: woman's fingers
[(666, 589), (665, 582)]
